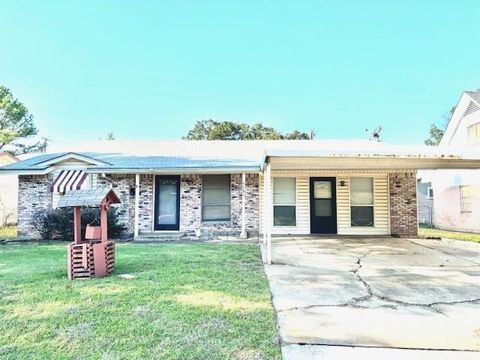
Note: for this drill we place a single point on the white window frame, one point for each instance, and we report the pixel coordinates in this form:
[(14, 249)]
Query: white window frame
[(280, 204), (350, 201), (219, 221), (465, 201)]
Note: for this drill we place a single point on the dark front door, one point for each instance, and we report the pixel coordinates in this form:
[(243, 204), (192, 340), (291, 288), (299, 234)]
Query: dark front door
[(323, 205), (167, 202)]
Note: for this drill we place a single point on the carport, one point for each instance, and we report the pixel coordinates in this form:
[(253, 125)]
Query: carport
[(344, 190), (334, 295)]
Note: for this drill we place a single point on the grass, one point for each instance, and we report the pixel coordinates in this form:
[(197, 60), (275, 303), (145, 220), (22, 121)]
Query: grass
[(187, 301), (8, 232), (427, 232)]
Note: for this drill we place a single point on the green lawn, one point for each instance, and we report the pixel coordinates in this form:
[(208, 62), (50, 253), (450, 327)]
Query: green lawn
[(426, 232), (187, 301), (8, 232)]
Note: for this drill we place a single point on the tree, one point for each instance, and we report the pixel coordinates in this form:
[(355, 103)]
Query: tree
[(16, 124), (110, 136), (227, 130), (436, 135)]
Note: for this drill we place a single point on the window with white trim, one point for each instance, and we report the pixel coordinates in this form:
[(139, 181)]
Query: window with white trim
[(284, 201), (466, 195), (473, 134), (361, 201), (216, 198), (430, 192)]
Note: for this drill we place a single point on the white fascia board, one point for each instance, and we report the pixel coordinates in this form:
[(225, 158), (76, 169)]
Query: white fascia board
[(455, 119), (245, 169), (26, 172), (74, 156)]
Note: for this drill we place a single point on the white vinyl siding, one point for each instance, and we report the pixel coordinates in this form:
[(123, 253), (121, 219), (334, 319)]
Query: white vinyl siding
[(381, 202)]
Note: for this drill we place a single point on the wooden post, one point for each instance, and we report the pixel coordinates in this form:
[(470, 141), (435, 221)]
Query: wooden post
[(265, 207), (136, 229), (269, 214), (243, 234), (103, 222), (77, 225)]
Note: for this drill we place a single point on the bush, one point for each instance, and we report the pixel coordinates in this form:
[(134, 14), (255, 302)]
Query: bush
[(57, 224)]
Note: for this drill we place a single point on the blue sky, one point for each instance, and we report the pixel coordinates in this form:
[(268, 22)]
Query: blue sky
[(150, 69)]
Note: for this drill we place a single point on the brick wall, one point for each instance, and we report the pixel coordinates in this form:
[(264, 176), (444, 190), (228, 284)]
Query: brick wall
[(403, 204), (146, 203), (191, 206), (121, 185), (33, 196)]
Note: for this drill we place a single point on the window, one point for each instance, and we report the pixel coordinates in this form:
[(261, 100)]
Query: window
[(361, 201), (473, 133), (430, 193), (216, 198), (284, 202), (465, 199)]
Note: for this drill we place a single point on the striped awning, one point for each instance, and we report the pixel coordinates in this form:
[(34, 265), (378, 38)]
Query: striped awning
[(68, 180)]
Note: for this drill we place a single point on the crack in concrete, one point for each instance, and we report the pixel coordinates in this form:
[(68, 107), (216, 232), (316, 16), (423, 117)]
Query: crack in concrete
[(354, 302), (443, 252)]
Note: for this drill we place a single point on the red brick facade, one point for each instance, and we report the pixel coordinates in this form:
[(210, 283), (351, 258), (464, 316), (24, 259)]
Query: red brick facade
[(403, 204)]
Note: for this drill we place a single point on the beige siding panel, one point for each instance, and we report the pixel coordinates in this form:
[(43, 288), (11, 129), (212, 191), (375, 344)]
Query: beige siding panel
[(381, 215), (302, 209), (381, 210)]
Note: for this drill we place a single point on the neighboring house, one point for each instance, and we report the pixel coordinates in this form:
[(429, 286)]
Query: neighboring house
[(8, 192), (210, 188), (425, 202), (457, 192)]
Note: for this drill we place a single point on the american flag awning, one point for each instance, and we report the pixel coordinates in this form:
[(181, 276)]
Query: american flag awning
[(68, 180)]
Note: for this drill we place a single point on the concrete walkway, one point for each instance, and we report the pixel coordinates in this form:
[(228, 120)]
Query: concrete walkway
[(345, 297)]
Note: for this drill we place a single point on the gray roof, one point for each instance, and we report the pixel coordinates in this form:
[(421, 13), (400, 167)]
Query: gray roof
[(217, 156), (116, 161), (475, 95), (93, 197)]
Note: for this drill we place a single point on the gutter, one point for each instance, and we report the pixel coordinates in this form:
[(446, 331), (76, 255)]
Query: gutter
[(25, 171), (196, 170)]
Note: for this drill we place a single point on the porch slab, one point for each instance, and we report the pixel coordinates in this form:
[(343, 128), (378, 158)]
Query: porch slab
[(376, 292)]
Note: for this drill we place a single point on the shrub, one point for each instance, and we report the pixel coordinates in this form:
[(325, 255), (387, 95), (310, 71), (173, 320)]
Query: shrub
[(57, 224)]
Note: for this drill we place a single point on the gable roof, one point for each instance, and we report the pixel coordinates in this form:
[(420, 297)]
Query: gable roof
[(467, 104), (474, 95), (91, 197)]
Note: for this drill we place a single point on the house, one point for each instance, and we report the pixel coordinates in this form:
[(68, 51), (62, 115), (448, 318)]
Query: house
[(457, 192), (8, 192), (240, 188)]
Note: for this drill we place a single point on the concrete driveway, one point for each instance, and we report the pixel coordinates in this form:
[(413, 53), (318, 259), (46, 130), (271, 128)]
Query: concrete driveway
[(357, 297)]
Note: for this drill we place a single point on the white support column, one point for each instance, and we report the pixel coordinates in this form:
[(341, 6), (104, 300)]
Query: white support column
[(136, 226), (264, 215), (269, 209), (243, 234)]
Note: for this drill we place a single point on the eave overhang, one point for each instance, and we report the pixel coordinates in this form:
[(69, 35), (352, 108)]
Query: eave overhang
[(370, 163)]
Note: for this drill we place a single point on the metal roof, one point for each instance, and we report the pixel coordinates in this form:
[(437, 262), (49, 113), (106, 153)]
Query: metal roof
[(93, 197), (221, 156)]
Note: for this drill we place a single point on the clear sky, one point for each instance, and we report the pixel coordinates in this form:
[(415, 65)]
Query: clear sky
[(150, 69)]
